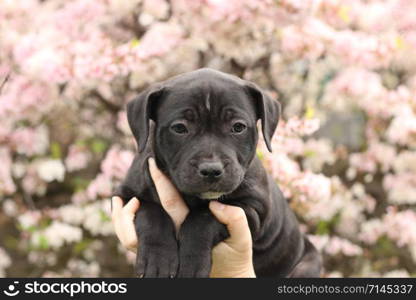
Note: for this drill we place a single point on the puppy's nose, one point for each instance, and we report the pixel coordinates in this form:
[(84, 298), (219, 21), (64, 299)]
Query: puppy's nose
[(211, 170)]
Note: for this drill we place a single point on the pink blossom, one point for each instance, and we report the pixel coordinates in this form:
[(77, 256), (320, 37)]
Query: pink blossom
[(29, 219), (400, 226), (315, 187), (82, 268), (50, 170), (95, 223), (281, 166), (122, 123), (361, 49), (338, 245), (357, 82), (116, 163), (402, 129), (401, 188), (373, 12), (317, 153), (30, 141), (405, 161), (81, 197), (58, 234), (315, 195), (77, 158), (71, 214), (31, 183), (101, 186), (380, 154), (158, 40), (7, 185), (77, 14), (371, 231), (23, 97), (319, 241), (223, 9), (297, 127), (335, 245), (309, 40)]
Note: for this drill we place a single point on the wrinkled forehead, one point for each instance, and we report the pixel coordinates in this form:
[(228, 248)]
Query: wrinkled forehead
[(207, 98)]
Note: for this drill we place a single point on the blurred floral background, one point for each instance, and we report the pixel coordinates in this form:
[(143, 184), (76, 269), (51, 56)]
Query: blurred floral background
[(344, 153)]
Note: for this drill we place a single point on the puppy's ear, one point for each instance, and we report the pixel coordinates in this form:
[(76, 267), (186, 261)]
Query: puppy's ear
[(139, 113), (268, 111)]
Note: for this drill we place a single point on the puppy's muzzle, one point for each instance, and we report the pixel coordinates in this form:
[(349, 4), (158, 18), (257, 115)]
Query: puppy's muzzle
[(211, 171)]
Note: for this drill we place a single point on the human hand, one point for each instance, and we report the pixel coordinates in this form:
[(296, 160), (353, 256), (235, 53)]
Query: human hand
[(171, 200), (231, 258)]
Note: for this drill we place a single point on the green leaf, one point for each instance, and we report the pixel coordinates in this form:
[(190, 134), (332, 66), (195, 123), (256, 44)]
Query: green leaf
[(322, 228), (30, 229), (260, 155), (56, 150), (134, 42), (79, 184), (43, 243), (44, 223), (309, 153), (310, 112), (98, 146), (104, 216), (81, 143), (81, 246), (11, 242)]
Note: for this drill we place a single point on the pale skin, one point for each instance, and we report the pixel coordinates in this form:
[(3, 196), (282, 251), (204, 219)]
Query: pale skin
[(231, 258)]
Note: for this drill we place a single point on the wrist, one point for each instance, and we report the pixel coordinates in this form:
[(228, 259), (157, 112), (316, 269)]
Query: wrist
[(235, 272), (248, 273)]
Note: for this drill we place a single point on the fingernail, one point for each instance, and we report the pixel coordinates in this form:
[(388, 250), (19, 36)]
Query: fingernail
[(152, 163), (217, 205)]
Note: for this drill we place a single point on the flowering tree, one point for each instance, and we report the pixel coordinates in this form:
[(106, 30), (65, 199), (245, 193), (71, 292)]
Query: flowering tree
[(344, 155)]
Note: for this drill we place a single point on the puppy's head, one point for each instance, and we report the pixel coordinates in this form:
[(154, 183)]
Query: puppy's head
[(205, 129)]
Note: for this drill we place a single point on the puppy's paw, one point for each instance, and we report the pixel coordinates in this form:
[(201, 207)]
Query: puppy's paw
[(157, 261), (194, 265)]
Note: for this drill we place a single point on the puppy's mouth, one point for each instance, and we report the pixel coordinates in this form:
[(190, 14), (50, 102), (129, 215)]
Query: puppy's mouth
[(210, 195), (190, 184)]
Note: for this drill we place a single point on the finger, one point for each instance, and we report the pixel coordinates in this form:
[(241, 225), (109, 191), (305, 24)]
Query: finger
[(131, 207), (122, 218), (236, 221), (170, 198), (117, 205), (128, 235)]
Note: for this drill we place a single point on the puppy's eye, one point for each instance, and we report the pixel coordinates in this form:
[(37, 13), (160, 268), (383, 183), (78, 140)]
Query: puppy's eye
[(238, 127), (179, 128)]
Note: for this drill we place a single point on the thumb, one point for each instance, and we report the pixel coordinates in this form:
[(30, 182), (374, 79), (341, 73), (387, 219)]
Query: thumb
[(236, 221), (170, 198), (131, 208)]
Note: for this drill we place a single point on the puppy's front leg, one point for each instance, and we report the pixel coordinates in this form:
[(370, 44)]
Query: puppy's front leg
[(157, 253), (198, 234)]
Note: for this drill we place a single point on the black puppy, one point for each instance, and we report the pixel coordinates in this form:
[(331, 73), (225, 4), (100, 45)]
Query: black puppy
[(204, 136)]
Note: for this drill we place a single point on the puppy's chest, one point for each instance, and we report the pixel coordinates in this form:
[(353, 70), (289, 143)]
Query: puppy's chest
[(195, 203)]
